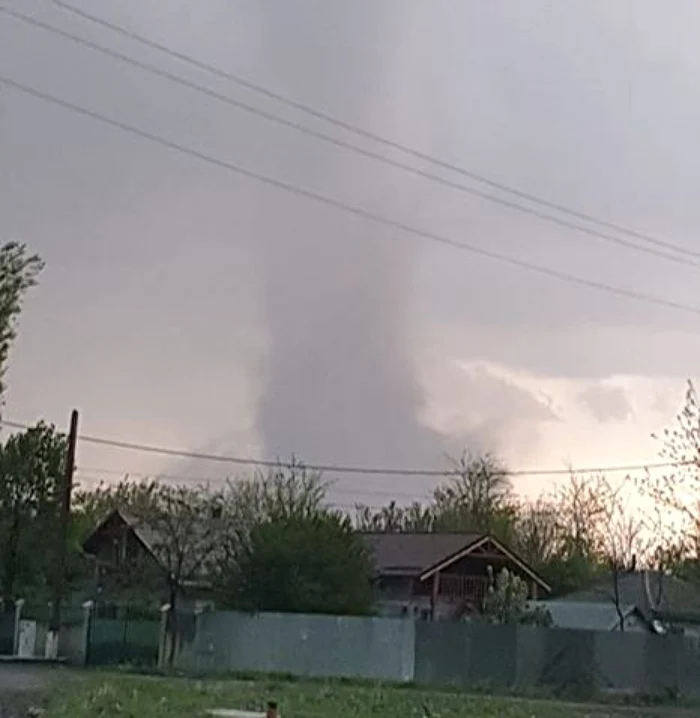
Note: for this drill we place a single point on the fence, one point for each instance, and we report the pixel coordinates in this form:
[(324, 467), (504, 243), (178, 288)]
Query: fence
[(119, 641), (87, 636), (7, 633), (32, 626), (444, 653), (305, 645)]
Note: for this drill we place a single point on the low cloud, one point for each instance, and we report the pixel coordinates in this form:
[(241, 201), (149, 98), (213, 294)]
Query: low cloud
[(606, 403), (487, 408)]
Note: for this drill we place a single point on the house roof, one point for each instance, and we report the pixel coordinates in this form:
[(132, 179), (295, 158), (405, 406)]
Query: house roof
[(586, 616), (145, 535), (423, 553), (679, 598), (415, 552)]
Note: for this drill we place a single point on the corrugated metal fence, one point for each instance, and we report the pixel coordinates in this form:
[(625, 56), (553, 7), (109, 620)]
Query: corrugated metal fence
[(443, 653)]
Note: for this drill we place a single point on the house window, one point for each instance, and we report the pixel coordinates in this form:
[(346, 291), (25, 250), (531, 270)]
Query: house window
[(119, 548)]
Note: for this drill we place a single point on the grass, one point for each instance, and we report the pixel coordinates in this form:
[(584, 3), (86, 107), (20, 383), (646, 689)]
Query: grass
[(129, 696)]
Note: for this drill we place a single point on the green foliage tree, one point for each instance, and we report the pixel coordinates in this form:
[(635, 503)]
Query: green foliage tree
[(282, 493), (506, 602), (18, 273), (302, 564), (31, 473), (393, 518), (477, 497), (572, 533)]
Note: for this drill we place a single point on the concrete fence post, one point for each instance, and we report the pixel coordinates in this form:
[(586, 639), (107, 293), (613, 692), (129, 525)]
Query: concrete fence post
[(51, 647), (86, 632), (163, 636), (19, 605)]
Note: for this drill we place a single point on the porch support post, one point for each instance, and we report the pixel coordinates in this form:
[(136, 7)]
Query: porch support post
[(434, 594)]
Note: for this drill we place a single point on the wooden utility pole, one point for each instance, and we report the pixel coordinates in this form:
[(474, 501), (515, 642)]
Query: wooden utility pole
[(62, 539)]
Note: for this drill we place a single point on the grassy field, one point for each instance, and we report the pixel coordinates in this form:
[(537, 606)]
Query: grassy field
[(125, 696)]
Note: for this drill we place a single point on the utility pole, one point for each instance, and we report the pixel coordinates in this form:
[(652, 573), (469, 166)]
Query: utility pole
[(62, 539)]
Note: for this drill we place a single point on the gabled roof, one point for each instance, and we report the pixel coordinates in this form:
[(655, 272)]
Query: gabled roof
[(424, 553), (151, 540), (148, 538), (415, 552), (679, 599)]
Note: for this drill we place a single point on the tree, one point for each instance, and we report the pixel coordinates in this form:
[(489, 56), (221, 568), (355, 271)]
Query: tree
[(538, 532), (184, 526), (31, 474), (18, 273), (183, 529), (622, 543), (302, 564), (282, 493), (506, 602), (477, 498), (575, 558), (393, 518), (677, 493)]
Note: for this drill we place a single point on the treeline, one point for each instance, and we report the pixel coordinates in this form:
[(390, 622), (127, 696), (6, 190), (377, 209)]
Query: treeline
[(272, 542), (571, 535), (267, 542)]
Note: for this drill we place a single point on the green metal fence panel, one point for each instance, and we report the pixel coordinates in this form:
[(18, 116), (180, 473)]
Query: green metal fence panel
[(115, 641), (7, 633)]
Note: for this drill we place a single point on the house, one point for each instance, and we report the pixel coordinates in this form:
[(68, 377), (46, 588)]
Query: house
[(595, 616), (441, 575), (118, 539), (664, 602), (126, 556)]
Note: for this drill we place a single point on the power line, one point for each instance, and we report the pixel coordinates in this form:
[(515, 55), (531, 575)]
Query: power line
[(271, 117), (95, 474), (375, 137), (345, 506), (338, 204), (345, 469)]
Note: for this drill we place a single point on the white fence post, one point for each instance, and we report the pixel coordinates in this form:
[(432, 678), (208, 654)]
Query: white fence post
[(163, 643), (87, 630), (19, 605)]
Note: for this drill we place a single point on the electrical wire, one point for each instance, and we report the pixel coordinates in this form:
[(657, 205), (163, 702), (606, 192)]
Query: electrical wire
[(271, 117), (91, 483), (338, 204), (375, 137), (345, 469), (96, 474)]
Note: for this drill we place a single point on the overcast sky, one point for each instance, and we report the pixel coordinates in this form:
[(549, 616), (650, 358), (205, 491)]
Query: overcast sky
[(185, 306)]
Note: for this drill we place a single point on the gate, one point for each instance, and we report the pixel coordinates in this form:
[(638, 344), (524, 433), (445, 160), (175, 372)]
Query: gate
[(123, 640)]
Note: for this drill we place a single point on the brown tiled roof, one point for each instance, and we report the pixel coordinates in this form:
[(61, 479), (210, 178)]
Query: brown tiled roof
[(415, 553)]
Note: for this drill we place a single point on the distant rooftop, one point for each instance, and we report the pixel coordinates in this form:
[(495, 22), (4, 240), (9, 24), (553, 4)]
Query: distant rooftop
[(415, 552)]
